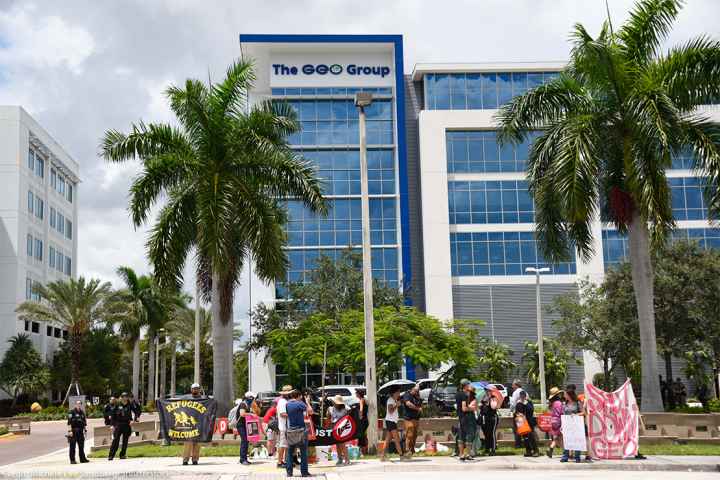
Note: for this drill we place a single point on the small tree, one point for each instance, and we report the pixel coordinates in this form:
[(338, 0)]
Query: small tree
[(557, 360), (22, 370), (585, 324), (495, 361)]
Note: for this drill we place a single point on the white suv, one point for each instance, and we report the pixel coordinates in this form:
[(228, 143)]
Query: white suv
[(345, 391)]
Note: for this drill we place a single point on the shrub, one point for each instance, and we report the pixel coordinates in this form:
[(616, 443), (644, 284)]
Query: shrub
[(3, 431)]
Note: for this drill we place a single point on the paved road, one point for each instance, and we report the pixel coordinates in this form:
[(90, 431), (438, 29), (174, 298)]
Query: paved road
[(534, 475), (46, 437)]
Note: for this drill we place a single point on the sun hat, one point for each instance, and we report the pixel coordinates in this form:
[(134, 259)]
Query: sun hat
[(555, 391), (338, 400), (286, 389)]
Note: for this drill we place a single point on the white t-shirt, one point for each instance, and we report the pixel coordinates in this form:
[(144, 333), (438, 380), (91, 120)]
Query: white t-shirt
[(282, 408), (393, 416)]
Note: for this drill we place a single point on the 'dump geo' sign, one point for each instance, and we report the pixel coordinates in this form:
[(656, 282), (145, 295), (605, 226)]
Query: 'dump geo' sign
[(187, 419)]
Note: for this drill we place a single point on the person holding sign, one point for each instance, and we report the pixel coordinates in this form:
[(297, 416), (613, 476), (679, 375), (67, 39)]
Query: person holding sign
[(236, 419), (192, 448), (556, 410), (573, 427)]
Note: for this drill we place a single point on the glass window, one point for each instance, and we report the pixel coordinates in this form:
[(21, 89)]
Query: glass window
[(499, 253), (61, 185), (31, 160), (29, 245), (28, 290), (60, 223), (35, 327), (59, 261), (68, 229), (38, 251), (49, 331), (52, 217), (53, 178), (57, 332), (68, 265), (39, 208), (39, 166), (479, 152), (31, 202), (51, 256), (70, 192)]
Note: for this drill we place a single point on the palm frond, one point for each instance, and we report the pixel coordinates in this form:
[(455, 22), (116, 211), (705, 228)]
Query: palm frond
[(648, 26)]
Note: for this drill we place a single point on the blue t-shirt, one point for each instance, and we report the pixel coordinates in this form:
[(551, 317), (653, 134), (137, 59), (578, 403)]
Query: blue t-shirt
[(296, 414)]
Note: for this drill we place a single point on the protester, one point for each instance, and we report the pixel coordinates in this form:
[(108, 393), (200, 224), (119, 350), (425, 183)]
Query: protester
[(392, 416), (270, 423), (108, 411), (468, 422), (555, 407), (460, 397), (339, 411), (572, 406), (363, 422), (282, 424), (296, 410), (236, 420), (514, 398), (489, 421), (192, 447), (664, 391), (525, 407), (77, 428), (412, 404)]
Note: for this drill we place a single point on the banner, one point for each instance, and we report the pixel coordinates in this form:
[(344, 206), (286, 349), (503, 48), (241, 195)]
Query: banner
[(343, 431), (573, 433), (613, 422), (187, 419)]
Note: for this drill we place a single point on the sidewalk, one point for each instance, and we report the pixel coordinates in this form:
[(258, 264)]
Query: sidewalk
[(227, 468)]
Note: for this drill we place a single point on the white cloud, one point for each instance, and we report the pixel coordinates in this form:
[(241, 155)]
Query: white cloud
[(36, 41)]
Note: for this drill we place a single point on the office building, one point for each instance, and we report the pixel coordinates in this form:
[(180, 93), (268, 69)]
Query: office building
[(38, 223), (451, 216)]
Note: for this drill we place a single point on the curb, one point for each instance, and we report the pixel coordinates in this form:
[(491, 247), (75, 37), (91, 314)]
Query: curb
[(618, 467)]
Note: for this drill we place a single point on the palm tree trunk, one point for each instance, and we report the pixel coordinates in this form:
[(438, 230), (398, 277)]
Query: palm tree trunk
[(222, 330), (150, 398), (642, 276), (163, 373), (136, 368), (75, 358), (173, 367)]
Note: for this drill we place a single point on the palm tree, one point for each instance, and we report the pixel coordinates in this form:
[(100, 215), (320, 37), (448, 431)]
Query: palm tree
[(222, 175), (143, 308), (610, 125), (77, 305)]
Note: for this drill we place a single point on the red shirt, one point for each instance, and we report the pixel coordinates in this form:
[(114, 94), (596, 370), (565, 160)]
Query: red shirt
[(272, 411)]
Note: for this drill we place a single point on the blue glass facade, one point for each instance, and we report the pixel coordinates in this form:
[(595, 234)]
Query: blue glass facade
[(329, 139), (475, 91), (476, 202), (479, 152), (615, 245), (499, 253)]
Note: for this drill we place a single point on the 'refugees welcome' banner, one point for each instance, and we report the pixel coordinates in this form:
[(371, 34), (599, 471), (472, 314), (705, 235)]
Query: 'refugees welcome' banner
[(185, 419)]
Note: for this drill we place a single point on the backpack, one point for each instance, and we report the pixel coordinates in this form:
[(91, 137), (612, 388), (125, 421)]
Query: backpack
[(295, 436)]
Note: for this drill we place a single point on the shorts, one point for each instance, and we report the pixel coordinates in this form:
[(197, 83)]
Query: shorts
[(282, 440), (390, 426)]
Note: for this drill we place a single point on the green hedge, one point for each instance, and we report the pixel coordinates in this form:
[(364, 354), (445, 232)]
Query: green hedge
[(59, 413), (3, 431)]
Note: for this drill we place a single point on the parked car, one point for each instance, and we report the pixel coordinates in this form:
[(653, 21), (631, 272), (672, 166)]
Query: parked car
[(265, 400), (346, 391), (444, 398), (426, 386)]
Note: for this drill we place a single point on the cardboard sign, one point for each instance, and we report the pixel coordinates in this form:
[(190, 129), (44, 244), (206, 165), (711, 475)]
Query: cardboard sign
[(253, 428), (573, 432)]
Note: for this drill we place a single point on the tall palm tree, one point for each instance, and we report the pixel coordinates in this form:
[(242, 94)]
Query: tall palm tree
[(610, 125), (221, 174), (76, 304), (143, 308)]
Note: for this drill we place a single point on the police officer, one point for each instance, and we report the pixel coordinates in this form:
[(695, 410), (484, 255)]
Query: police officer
[(136, 408), (77, 426), (121, 418), (108, 410)]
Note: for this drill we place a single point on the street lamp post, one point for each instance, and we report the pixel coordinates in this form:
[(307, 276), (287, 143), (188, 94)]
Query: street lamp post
[(541, 346), (363, 100), (141, 398), (157, 361)]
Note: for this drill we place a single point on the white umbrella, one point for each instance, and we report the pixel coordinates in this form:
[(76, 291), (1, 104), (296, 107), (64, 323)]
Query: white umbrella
[(400, 384)]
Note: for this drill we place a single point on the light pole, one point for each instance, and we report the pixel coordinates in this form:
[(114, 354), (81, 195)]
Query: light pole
[(541, 346), (363, 100), (196, 375), (157, 361), (142, 378)]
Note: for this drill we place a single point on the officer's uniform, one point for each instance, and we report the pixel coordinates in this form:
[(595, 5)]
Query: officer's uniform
[(107, 413), (121, 418), (77, 423), (136, 409)]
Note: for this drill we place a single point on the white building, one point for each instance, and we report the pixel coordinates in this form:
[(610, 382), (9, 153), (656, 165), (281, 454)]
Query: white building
[(38, 222)]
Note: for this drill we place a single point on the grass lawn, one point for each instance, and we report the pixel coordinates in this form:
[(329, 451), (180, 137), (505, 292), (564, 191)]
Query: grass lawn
[(233, 451)]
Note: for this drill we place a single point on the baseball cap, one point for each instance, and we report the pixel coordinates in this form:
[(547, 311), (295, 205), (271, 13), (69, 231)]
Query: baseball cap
[(195, 385), (464, 381)]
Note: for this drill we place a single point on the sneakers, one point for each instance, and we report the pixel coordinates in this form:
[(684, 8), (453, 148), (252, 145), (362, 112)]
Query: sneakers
[(245, 462), (195, 462), (549, 452), (339, 462), (185, 462), (85, 460), (73, 462)]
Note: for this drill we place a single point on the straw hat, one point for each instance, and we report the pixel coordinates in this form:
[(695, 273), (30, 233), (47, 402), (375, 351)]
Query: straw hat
[(286, 389), (338, 400), (555, 391)]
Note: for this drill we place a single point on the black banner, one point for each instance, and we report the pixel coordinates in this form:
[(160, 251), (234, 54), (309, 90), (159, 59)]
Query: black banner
[(186, 419)]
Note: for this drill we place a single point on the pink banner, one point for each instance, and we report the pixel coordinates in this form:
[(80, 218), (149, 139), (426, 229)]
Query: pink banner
[(613, 422)]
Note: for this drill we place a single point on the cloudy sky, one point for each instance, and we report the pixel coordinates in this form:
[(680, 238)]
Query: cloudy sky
[(81, 67)]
